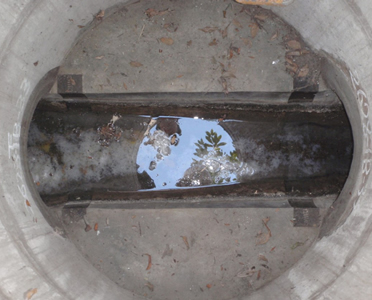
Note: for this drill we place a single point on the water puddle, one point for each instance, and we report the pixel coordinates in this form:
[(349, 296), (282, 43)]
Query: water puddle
[(136, 153)]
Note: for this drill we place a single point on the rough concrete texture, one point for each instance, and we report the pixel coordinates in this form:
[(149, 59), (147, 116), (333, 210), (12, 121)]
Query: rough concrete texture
[(37, 257)]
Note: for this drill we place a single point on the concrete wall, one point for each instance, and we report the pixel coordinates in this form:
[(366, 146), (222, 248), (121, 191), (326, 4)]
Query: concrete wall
[(34, 38)]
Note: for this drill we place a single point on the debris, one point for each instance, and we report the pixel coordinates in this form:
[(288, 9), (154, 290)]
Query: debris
[(272, 249), (99, 57), (88, 228), (208, 285), (179, 76), (235, 49), (100, 15), (28, 203), (247, 42), (139, 228), (143, 28), (297, 244), (222, 80), (261, 17), (274, 36), (150, 286), (149, 263), (136, 64), (302, 72), (167, 252), (30, 293), (258, 274), (227, 224), (189, 43), (186, 242), (96, 227), (81, 26), (167, 41), (208, 29), (246, 273), (293, 44), (254, 29), (125, 86), (213, 43), (150, 12), (36, 63), (224, 32), (263, 238), (171, 27), (237, 23), (262, 257)]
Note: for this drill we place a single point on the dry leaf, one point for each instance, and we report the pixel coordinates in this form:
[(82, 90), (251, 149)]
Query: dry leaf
[(224, 14), (186, 242), (167, 252), (149, 264), (272, 249), (28, 203), (100, 15), (179, 76), (150, 286), (259, 275), (88, 228), (274, 36), (263, 238), (237, 23), (224, 32), (254, 29), (189, 43), (261, 17), (136, 64), (227, 224), (208, 29), (294, 45), (81, 26), (125, 86), (208, 285), (213, 43), (96, 227), (247, 42), (303, 71), (153, 12), (262, 257), (99, 57), (30, 293), (167, 41)]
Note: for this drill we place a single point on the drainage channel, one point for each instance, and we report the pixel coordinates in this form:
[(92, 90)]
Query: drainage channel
[(184, 150)]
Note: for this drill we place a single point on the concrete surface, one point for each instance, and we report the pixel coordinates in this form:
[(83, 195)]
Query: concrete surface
[(35, 36)]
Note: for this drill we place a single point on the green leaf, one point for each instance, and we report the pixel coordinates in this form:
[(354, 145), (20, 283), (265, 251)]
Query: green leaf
[(221, 144)]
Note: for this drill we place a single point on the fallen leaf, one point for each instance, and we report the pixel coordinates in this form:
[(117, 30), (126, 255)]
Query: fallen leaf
[(179, 76), (150, 286), (36, 63), (303, 71), (208, 285), (235, 49), (30, 293), (224, 32), (99, 57), (261, 17), (189, 43), (186, 242), (263, 238), (150, 12), (167, 41), (254, 29), (258, 274), (149, 264), (213, 43), (81, 26), (100, 15), (167, 252), (28, 203), (208, 29), (224, 14), (88, 228), (247, 42), (272, 249), (227, 224), (274, 36), (237, 23), (297, 244), (294, 45), (136, 64), (262, 257), (125, 86), (96, 227)]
